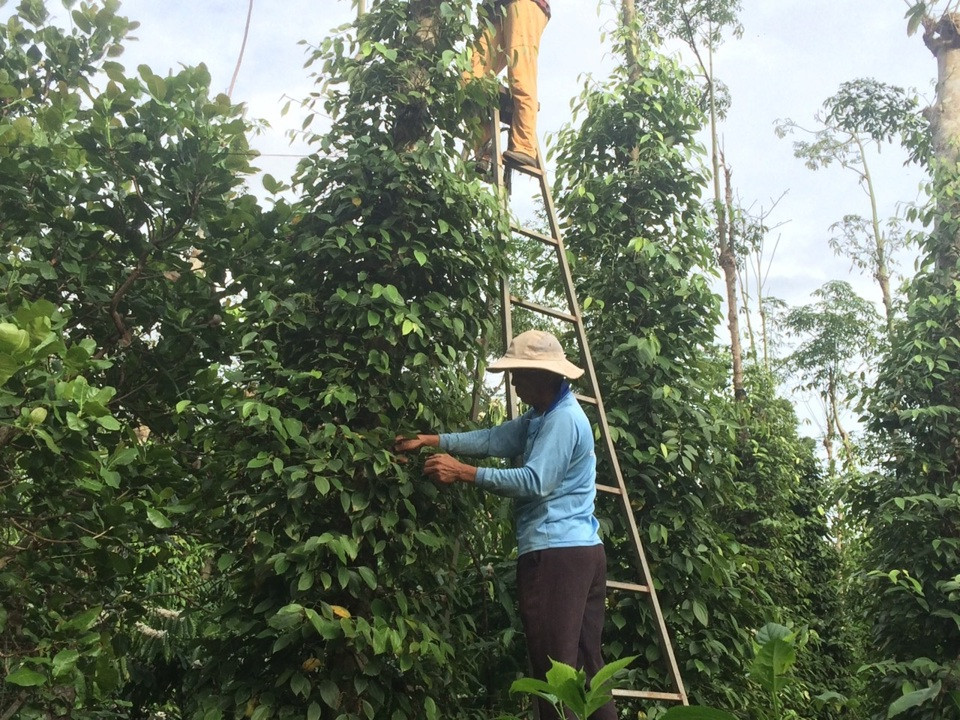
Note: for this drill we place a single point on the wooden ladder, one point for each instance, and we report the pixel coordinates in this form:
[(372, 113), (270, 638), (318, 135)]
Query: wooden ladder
[(502, 180)]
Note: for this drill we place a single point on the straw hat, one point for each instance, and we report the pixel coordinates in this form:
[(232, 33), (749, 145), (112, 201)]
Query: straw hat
[(536, 350)]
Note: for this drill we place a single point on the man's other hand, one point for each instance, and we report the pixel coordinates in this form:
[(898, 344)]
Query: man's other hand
[(444, 469)]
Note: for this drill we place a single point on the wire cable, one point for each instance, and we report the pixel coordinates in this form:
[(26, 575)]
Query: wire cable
[(243, 46)]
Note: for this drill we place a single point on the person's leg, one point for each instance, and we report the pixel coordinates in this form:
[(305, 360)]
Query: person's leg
[(590, 656), (487, 56), (552, 589), (523, 27)]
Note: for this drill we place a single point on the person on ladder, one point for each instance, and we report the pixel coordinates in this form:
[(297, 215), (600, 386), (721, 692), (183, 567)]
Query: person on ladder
[(512, 41), (561, 565)]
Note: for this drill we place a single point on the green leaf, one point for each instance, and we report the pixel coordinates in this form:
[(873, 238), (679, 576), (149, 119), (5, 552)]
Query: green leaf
[(48, 441), (770, 665), (287, 617), (389, 53), (368, 577), (300, 685), (330, 693), (262, 712), (572, 693), (915, 15), (25, 677), (293, 427), (108, 422), (772, 631), (158, 519), (84, 620), (124, 456), (913, 699), (392, 294), (830, 696), (605, 675), (64, 661), (560, 672), (700, 613), (532, 686)]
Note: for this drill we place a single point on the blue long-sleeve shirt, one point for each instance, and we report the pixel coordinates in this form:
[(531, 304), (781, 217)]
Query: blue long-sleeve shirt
[(555, 487)]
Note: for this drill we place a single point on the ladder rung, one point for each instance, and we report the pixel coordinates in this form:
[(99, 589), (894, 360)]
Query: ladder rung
[(646, 694), (525, 169), (585, 399), (617, 585), (608, 489), (534, 235), (543, 309)]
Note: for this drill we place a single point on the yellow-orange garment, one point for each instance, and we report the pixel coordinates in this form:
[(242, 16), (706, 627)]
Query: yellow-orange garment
[(514, 43)]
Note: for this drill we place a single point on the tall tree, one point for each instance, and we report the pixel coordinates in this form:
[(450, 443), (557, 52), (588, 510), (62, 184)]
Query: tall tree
[(837, 339), (864, 113), (701, 25)]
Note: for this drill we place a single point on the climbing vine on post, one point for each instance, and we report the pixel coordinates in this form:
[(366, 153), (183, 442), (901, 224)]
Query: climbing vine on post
[(354, 585)]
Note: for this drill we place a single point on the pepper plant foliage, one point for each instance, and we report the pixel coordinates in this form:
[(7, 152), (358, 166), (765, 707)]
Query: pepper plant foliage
[(351, 580), (911, 504), (114, 187), (720, 491), (199, 397), (628, 182)]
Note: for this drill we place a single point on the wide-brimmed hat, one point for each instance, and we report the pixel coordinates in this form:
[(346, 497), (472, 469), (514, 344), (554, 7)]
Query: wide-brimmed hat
[(536, 350)]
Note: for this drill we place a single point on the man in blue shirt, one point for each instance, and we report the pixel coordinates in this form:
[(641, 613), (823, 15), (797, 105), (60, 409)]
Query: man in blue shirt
[(561, 568)]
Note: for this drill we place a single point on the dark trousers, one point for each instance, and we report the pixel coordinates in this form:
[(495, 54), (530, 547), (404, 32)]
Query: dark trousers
[(561, 595)]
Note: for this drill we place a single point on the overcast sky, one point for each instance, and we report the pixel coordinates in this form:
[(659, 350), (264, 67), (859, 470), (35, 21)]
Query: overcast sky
[(792, 56)]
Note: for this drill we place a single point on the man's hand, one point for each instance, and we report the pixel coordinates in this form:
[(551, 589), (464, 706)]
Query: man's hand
[(444, 469), (404, 444)]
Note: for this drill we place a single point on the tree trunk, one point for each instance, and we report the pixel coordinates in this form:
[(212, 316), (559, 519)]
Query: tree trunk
[(728, 261), (943, 39), (412, 122), (881, 270), (725, 256), (763, 334), (628, 18), (837, 429), (743, 283), (830, 433)]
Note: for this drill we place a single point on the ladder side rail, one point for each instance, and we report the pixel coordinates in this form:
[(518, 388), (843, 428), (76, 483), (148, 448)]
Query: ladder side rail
[(561, 251), (502, 180), (664, 634), (513, 409), (496, 167), (624, 497)]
